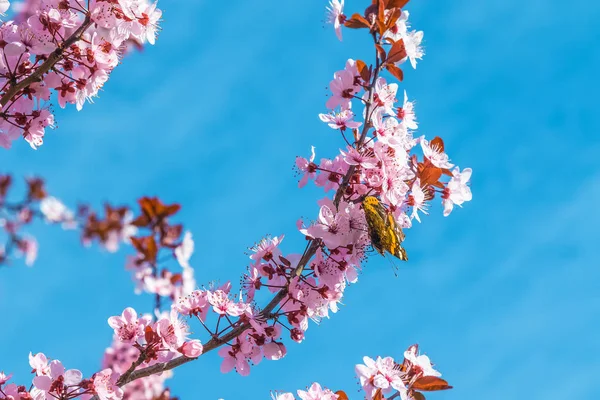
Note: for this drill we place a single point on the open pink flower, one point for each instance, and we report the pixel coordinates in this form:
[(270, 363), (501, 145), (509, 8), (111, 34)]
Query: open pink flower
[(316, 392), (420, 364), (407, 113), (128, 328), (343, 87), (332, 227), (435, 154), (341, 120), (56, 382), (173, 331), (335, 16), (457, 191), (308, 167), (417, 200), (39, 364), (282, 396), (4, 378), (105, 385)]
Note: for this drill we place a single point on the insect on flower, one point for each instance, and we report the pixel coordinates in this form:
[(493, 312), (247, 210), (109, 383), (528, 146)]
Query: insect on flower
[(386, 235)]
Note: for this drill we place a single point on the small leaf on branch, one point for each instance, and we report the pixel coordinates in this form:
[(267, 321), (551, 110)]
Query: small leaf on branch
[(418, 396), (437, 142), (393, 18), (357, 21), (429, 174), (397, 72), (341, 395), (365, 73), (397, 52), (430, 384), (380, 51)]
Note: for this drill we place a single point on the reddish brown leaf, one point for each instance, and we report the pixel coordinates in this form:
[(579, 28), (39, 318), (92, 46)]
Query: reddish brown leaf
[(363, 70), (397, 72), (341, 395), (380, 51), (393, 18), (446, 171), (149, 334), (36, 189), (378, 395), (430, 384), (357, 21), (285, 261), (437, 142), (418, 396), (5, 181), (175, 278), (397, 52), (430, 175)]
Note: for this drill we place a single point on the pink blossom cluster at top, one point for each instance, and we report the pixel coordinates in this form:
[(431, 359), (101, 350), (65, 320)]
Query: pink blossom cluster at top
[(383, 377), (68, 47)]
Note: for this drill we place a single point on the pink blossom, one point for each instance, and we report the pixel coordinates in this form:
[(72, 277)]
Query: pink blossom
[(385, 96), (457, 190), (380, 374), (315, 392), (282, 396), (105, 385), (412, 44), (191, 348), (407, 113), (343, 87), (267, 249), (332, 227), (128, 328), (29, 247), (435, 154), (49, 386), (417, 200), (340, 120), (223, 305), (353, 157), (4, 378), (39, 364), (420, 364), (236, 356), (335, 16), (195, 303), (173, 331), (307, 166), (274, 350)]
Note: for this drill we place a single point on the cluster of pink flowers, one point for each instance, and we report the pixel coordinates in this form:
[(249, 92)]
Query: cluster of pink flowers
[(161, 340), (66, 46), (314, 392), (381, 377), (53, 381), (382, 157)]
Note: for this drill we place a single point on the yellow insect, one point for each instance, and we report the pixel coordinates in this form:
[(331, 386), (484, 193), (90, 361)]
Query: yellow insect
[(385, 233)]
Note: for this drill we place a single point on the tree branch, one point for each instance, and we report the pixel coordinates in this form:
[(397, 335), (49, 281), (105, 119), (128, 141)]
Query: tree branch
[(52, 59), (312, 248)]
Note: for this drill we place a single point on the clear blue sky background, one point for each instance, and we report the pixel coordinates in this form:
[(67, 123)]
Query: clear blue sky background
[(504, 295)]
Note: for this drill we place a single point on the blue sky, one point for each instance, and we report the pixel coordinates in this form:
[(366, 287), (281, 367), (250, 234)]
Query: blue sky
[(212, 117)]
